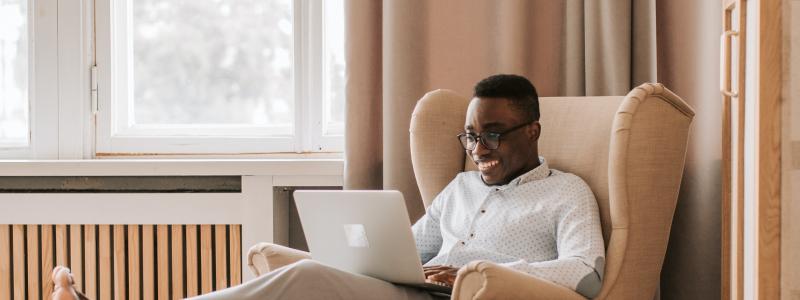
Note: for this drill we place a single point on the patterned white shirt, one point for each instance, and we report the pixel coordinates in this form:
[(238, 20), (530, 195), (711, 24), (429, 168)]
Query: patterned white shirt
[(544, 223)]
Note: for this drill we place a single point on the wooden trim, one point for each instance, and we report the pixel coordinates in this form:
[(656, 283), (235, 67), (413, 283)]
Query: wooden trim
[(162, 239), (192, 285), (732, 264), (177, 262), (46, 260), (235, 249), (62, 256), (90, 244), (768, 157), (725, 282), (5, 262), (76, 255), (221, 258), (739, 151), (206, 284), (134, 258), (104, 253), (148, 262), (33, 262), (120, 258), (18, 239)]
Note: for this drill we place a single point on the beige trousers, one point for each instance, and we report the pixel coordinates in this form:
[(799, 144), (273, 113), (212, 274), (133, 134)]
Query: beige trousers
[(308, 279)]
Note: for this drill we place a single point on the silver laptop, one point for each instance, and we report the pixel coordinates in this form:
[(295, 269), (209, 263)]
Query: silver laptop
[(363, 232)]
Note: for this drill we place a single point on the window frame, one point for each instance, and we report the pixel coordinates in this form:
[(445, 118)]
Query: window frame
[(112, 138), (43, 71)]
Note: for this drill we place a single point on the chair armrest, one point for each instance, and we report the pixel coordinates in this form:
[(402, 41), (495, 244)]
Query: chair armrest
[(487, 280), (265, 257)]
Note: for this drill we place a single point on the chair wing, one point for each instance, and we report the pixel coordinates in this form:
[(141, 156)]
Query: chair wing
[(436, 154), (647, 152)]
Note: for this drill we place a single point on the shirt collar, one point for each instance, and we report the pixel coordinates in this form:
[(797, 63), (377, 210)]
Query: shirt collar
[(538, 173)]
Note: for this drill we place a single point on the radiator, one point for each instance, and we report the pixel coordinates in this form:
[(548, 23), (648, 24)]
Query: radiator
[(120, 261)]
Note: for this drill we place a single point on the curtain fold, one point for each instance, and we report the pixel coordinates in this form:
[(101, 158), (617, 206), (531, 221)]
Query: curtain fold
[(399, 50)]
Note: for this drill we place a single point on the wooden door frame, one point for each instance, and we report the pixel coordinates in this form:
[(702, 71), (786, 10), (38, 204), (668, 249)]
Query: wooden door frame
[(732, 231), (768, 149), (767, 160)]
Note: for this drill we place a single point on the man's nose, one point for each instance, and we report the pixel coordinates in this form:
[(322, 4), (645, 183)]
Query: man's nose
[(480, 149)]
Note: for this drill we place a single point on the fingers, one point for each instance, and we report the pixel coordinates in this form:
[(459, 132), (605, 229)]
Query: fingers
[(443, 274), (447, 278), (430, 270)]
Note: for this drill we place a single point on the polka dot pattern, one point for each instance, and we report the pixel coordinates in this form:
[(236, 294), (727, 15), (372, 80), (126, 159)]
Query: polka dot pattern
[(544, 223)]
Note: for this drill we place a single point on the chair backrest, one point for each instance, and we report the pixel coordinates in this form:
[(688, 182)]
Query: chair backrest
[(629, 149)]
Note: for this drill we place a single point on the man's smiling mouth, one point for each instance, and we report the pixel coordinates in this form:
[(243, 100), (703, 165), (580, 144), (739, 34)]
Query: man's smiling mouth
[(487, 165)]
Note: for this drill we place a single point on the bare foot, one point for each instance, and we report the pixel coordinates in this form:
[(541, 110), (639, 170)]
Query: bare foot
[(64, 288)]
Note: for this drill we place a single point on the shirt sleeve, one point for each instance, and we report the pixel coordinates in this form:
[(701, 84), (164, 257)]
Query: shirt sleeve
[(427, 230), (579, 239)]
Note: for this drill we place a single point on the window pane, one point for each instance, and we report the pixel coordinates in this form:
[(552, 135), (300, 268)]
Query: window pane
[(334, 93), (13, 73), (213, 62)]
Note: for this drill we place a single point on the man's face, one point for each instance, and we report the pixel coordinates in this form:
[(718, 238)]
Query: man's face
[(517, 152)]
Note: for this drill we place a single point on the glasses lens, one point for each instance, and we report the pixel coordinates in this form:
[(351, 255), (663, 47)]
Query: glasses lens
[(491, 140), (467, 141)]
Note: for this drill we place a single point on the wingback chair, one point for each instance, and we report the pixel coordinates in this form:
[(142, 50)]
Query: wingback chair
[(629, 149)]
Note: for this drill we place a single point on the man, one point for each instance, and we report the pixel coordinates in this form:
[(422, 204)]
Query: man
[(514, 211)]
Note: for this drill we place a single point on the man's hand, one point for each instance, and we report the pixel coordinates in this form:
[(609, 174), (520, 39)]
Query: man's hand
[(443, 274)]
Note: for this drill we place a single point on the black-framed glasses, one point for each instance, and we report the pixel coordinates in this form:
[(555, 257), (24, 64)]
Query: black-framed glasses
[(490, 140)]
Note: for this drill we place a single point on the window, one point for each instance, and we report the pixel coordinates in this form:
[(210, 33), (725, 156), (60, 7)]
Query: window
[(86, 78), (14, 123), (220, 76), (334, 97), (29, 96)]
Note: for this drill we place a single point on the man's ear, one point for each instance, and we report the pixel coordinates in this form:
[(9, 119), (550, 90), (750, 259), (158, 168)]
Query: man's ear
[(534, 131)]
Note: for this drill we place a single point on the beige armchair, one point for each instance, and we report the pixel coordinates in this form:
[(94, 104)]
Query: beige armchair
[(630, 150)]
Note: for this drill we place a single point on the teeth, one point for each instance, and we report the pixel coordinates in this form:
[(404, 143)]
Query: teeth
[(487, 165)]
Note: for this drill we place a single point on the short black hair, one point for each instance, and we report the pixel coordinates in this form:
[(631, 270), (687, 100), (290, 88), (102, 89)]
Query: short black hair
[(516, 88)]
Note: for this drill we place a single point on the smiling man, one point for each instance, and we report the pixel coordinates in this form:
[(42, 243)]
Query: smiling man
[(514, 210)]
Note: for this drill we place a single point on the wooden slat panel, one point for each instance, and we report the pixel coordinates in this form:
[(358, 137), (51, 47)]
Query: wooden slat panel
[(5, 262), (177, 262), (90, 261), (104, 247), (133, 262), (192, 286), (62, 244), (221, 259), (162, 238), (120, 257), (206, 283), (33, 262), (18, 239), (47, 244), (76, 255), (148, 263), (236, 254)]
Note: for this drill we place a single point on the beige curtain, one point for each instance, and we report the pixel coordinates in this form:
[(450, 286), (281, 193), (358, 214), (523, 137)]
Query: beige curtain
[(688, 60), (399, 50)]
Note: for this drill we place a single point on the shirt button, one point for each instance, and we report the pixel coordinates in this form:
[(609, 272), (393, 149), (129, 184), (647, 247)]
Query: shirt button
[(463, 243), (483, 211), (496, 189), (472, 235)]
